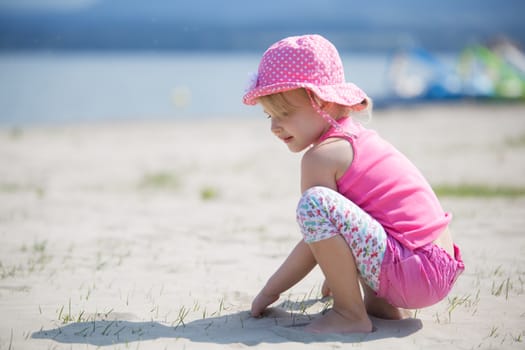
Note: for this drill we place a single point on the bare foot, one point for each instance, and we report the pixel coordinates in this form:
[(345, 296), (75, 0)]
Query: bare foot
[(380, 308), (337, 322)]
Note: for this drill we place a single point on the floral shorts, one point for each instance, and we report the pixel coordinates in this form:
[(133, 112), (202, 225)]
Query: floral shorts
[(323, 213)]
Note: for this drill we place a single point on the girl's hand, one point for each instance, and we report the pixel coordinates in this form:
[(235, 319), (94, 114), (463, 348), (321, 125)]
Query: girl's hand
[(325, 290), (260, 303)]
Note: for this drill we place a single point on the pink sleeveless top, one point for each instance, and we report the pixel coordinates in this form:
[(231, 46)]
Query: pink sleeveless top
[(385, 184)]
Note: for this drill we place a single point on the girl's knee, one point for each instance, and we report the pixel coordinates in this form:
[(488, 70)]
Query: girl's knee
[(312, 214), (315, 197)]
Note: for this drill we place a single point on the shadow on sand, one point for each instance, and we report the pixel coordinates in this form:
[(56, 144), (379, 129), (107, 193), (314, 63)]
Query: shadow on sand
[(278, 326)]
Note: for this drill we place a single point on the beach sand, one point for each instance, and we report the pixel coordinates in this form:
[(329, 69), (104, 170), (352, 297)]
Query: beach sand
[(157, 235)]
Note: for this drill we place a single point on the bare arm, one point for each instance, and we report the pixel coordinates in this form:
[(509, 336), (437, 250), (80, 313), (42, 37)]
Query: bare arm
[(324, 164), (320, 166), (296, 266)]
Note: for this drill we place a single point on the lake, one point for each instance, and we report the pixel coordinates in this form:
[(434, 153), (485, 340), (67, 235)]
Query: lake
[(82, 87)]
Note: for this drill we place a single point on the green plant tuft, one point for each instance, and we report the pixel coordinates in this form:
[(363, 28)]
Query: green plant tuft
[(479, 190), (209, 193), (161, 181)]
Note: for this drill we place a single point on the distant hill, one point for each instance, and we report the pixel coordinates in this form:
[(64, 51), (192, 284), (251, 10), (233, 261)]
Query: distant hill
[(243, 25)]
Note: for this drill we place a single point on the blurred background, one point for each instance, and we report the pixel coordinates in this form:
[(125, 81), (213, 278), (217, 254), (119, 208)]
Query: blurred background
[(94, 60)]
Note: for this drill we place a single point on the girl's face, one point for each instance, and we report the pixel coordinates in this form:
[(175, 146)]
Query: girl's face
[(301, 126)]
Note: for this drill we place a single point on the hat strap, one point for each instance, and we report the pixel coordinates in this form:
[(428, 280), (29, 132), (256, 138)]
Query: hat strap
[(327, 117)]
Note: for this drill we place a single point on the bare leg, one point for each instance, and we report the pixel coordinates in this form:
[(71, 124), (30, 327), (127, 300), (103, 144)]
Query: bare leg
[(348, 314), (380, 308)]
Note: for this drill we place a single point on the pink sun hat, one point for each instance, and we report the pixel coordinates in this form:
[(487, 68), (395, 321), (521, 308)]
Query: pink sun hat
[(308, 61)]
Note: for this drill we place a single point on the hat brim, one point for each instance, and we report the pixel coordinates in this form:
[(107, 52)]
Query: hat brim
[(346, 94)]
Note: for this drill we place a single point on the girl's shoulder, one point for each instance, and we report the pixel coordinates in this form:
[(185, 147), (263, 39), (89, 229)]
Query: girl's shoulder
[(327, 161)]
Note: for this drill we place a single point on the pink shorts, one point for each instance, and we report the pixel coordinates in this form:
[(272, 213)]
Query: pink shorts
[(419, 278)]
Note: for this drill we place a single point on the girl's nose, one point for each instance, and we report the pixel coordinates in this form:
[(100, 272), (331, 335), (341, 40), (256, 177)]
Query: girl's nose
[(275, 127)]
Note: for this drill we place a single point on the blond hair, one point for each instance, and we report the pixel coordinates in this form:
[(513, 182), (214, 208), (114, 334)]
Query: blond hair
[(278, 105)]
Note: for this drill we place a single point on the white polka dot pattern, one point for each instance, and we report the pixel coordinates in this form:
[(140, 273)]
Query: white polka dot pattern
[(308, 61)]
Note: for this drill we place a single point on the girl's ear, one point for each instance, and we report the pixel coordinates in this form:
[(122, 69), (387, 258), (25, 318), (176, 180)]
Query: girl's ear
[(326, 106)]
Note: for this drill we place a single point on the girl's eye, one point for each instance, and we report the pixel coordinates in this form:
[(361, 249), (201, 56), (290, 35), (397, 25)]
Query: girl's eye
[(278, 117)]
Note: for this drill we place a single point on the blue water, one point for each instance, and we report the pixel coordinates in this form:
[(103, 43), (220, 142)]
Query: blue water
[(73, 87)]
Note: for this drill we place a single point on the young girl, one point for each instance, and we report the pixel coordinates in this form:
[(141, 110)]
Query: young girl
[(367, 215)]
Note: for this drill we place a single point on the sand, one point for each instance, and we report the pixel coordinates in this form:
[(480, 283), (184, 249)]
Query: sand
[(157, 235)]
